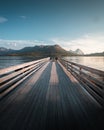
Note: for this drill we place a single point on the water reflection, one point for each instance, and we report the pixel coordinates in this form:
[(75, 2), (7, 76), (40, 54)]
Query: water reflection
[(94, 62), (6, 61)]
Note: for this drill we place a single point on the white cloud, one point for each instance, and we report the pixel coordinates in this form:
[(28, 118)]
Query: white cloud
[(23, 17), (3, 19), (19, 44), (89, 43)]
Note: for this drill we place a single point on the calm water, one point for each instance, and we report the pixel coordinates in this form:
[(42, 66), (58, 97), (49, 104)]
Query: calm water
[(94, 62), (7, 61)]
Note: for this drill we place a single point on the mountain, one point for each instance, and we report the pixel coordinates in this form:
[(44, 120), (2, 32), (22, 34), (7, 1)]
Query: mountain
[(5, 51), (77, 52), (2, 49), (42, 50), (52, 50), (96, 54)]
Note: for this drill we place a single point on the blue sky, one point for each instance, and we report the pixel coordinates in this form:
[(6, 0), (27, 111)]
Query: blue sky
[(70, 23)]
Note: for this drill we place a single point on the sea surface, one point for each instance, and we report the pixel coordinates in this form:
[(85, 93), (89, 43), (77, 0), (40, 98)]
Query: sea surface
[(94, 62), (7, 61)]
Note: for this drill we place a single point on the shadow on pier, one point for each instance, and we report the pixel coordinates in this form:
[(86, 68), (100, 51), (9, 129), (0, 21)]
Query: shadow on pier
[(50, 100)]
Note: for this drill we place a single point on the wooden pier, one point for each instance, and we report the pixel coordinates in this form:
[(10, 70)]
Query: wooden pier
[(51, 95)]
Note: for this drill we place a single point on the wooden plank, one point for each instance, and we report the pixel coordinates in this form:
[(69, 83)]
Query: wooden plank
[(50, 100), (82, 71), (14, 80), (13, 68), (93, 87), (6, 82), (14, 74), (89, 78), (17, 73), (20, 80), (98, 72), (93, 93)]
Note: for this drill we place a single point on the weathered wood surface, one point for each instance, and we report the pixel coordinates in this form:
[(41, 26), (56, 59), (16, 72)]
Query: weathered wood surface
[(11, 77), (92, 79), (50, 100), (18, 67)]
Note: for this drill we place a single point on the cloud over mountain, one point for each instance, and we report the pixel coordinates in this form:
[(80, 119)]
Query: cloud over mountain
[(89, 43)]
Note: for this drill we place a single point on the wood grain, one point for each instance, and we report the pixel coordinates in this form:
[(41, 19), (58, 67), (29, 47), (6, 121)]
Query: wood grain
[(50, 100)]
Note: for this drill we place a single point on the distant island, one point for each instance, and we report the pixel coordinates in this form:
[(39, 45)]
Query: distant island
[(44, 51)]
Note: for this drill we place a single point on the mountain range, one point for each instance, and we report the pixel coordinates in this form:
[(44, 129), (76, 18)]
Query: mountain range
[(77, 52), (43, 50), (96, 54), (5, 51)]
